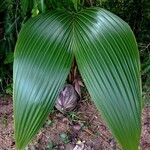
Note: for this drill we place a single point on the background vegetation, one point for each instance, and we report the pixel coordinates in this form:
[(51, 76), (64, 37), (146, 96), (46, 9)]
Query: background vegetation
[(135, 12)]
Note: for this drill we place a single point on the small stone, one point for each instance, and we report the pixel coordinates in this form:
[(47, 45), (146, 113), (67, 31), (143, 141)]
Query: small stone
[(69, 146), (76, 128)]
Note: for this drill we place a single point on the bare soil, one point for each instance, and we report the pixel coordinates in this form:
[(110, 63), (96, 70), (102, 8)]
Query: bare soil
[(62, 132)]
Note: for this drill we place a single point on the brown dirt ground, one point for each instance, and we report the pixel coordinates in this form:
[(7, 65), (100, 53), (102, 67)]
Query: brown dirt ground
[(80, 125)]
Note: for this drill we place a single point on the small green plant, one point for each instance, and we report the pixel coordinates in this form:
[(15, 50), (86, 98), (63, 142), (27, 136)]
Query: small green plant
[(3, 120), (73, 116), (9, 89), (49, 122), (64, 138), (51, 145)]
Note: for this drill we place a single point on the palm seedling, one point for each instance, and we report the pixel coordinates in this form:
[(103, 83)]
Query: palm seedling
[(106, 53)]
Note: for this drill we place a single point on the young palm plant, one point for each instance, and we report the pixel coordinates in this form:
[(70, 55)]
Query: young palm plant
[(106, 53)]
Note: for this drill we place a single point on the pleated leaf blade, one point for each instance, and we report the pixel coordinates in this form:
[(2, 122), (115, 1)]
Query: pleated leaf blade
[(42, 62), (107, 56)]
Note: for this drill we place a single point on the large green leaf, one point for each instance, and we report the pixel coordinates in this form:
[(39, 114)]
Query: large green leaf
[(108, 60), (107, 56), (41, 64)]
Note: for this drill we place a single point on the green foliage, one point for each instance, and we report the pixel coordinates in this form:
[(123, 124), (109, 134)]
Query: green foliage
[(9, 58), (3, 5), (59, 4), (51, 145), (73, 116), (9, 89), (9, 28), (33, 7), (26, 6), (145, 59), (107, 57), (144, 35), (43, 5), (64, 138)]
